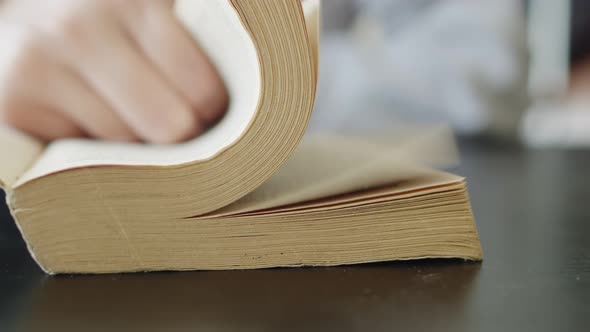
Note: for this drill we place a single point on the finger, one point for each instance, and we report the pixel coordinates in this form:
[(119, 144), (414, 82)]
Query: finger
[(41, 121), (25, 73), (131, 85), (175, 53), (72, 97)]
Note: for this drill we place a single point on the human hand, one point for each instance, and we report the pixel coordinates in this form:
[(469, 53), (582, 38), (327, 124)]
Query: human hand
[(108, 69)]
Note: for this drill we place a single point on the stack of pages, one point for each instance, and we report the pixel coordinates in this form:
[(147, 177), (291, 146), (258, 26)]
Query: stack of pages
[(246, 194)]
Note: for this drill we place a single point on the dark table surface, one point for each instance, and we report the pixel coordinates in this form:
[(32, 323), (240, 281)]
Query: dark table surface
[(533, 215)]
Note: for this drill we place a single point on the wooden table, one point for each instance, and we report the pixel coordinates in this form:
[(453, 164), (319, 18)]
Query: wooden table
[(533, 214)]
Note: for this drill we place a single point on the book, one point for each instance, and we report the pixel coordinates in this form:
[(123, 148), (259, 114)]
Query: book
[(246, 194)]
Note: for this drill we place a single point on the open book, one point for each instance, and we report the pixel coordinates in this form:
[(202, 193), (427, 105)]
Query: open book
[(236, 197)]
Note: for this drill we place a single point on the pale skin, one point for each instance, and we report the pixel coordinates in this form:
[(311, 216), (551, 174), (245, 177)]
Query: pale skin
[(119, 70)]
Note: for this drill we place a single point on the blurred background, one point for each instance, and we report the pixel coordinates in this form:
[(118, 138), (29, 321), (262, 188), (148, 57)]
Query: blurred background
[(509, 70), (515, 72)]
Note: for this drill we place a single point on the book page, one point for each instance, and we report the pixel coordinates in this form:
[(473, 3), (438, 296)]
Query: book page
[(328, 165), (237, 61), (312, 12), (18, 152)]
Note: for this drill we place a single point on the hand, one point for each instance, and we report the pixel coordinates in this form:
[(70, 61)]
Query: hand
[(110, 69)]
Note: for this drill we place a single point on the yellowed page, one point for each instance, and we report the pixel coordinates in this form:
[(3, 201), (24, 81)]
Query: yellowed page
[(325, 166), (424, 183), (18, 151), (312, 11)]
